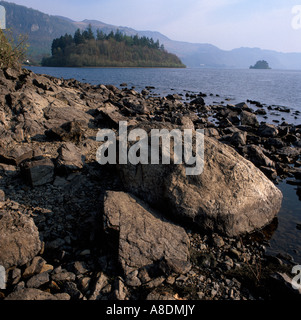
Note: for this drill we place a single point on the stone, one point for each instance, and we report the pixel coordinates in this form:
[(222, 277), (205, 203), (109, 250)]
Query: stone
[(70, 131), (71, 289), (16, 155), (230, 196), (30, 294), (38, 172), (145, 237), (239, 139), (38, 280), (256, 155), (35, 267), (102, 282), (2, 196), (198, 101), (57, 115), (11, 73), (120, 291), (63, 276), (110, 115), (19, 239), (70, 158), (248, 119), (267, 130)]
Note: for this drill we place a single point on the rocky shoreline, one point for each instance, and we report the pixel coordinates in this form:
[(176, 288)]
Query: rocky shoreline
[(67, 229)]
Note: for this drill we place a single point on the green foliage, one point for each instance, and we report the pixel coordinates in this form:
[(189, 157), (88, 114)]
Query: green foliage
[(12, 53), (108, 50)]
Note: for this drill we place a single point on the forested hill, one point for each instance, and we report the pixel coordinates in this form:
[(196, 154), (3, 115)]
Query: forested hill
[(84, 49)]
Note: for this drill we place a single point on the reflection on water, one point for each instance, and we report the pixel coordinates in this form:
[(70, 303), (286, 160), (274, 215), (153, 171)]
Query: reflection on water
[(287, 237)]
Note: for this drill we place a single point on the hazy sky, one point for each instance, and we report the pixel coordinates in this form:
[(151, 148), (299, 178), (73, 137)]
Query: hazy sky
[(227, 24)]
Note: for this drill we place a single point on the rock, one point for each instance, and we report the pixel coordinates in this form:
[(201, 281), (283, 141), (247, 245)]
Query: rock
[(70, 158), (110, 115), (35, 267), (63, 276), (101, 282), (31, 294), (248, 119), (290, 152), (198, 101), (230, 196), (145, 237), (212, 132), (158, 295), (239, 139), (71, 289), (242, 106), (19, 239), (267, 130), (17, 154), (11, 73), (120, 291), (2, 196), (38, 280), (38, 172), (57, 115), (69, 131), (257, 157)]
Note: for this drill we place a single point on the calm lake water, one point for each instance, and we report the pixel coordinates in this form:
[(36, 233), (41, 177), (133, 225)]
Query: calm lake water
[(270, 87)]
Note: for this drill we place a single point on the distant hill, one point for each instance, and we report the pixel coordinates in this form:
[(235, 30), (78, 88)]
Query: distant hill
[(42, 29), (112, 50)]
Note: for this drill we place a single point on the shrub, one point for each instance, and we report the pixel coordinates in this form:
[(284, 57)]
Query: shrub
[(12, 53)]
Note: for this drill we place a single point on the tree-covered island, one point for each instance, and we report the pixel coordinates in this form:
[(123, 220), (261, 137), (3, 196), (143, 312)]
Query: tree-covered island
[(261, 64), (85, 49)]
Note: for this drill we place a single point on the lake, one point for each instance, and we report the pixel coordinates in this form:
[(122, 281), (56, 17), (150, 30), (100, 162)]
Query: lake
[(269, 87)]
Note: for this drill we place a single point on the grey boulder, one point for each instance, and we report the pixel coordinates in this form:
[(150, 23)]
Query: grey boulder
[(231, 196)]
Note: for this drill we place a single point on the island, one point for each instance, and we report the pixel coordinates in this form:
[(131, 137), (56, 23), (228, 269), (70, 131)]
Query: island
[(261, 64), (84, 49)]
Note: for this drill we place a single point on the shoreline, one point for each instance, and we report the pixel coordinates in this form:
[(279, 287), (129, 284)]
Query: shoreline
[(73, 259)]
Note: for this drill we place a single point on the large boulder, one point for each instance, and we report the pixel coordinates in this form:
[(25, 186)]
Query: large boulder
[(144, 236), (19, 239), (230, 196)]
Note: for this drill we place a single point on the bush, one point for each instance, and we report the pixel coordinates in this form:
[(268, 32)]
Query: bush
[(12, 53)]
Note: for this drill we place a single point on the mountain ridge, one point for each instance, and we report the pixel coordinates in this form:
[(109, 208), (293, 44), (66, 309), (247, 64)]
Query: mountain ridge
[(43, 28)]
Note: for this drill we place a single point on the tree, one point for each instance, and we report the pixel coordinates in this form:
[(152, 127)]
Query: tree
[(112, 50), (100, 35), (88, 34), (78, 38)]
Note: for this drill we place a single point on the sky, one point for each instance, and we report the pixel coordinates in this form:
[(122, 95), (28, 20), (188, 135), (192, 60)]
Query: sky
[(227, 24)]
